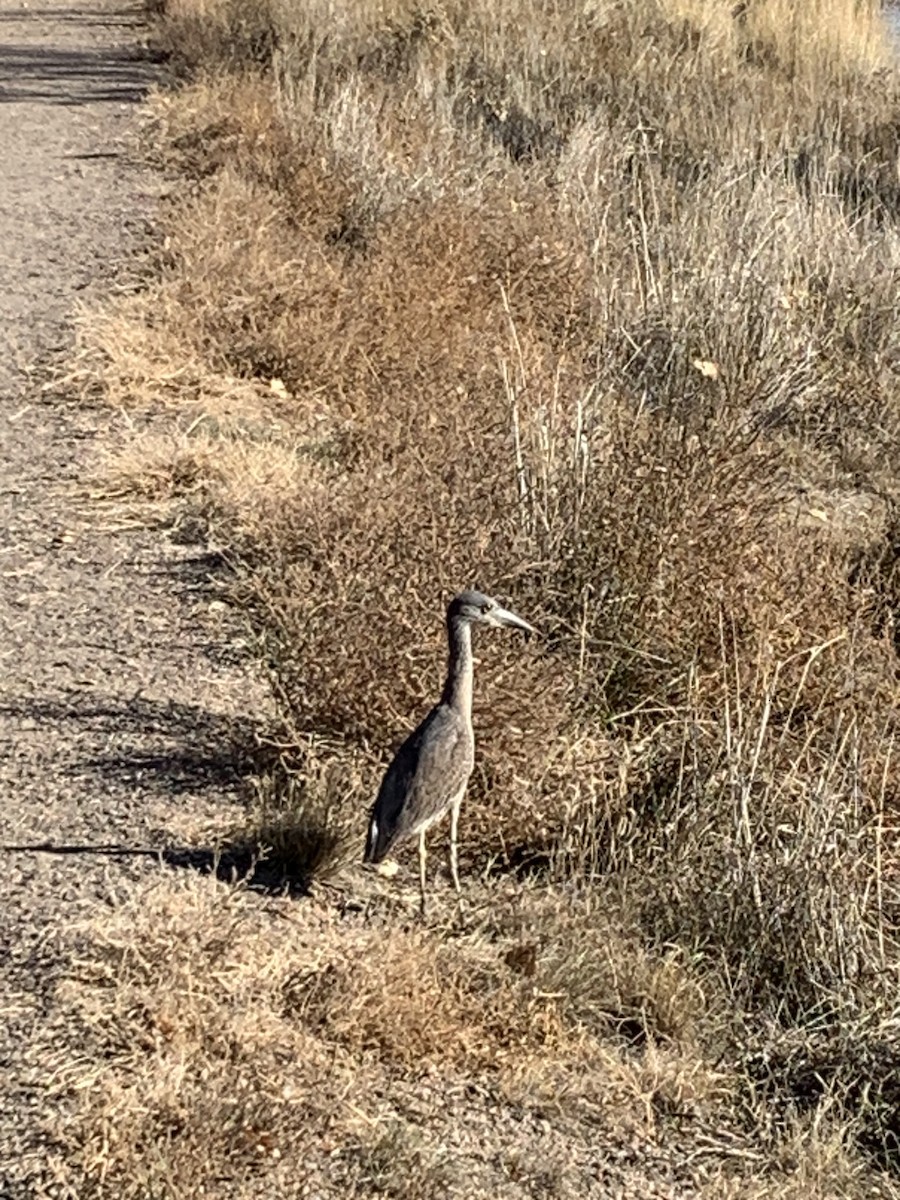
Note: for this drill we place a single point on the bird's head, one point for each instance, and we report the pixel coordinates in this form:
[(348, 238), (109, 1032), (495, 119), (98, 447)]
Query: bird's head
[(475, 608)]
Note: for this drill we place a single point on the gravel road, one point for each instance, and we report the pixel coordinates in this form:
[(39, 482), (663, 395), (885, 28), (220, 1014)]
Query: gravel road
[(119, 693)]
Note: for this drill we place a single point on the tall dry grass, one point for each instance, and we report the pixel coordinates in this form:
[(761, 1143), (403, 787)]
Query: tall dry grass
[(594, 306)]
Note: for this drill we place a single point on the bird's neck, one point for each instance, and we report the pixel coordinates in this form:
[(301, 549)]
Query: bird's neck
[(458, 688)]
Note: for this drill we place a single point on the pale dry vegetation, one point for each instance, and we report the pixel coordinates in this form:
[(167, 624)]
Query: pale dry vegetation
[(594, 305)]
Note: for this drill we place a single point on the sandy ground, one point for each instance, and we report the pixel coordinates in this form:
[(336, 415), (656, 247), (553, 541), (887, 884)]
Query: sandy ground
[(120, 689)]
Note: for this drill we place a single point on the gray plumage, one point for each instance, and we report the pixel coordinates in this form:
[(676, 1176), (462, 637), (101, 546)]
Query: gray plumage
[(431, 767), (429, 772)]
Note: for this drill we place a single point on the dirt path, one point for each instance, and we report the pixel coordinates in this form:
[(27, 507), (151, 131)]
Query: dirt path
[(118, 692)]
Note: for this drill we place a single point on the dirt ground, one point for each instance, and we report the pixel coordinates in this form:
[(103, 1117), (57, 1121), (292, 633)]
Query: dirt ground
[(121, 689)]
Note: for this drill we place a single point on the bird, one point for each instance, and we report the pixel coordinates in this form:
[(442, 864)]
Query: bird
[(430, 771)]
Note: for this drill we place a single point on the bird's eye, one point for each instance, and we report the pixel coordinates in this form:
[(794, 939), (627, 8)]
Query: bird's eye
[(486, 607)]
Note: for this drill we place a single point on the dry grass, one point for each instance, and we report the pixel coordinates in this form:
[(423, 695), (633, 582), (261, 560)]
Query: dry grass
[(596, 307), (256, 1037)]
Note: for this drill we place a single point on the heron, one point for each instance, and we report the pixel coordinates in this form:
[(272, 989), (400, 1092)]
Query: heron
[(429, 773)]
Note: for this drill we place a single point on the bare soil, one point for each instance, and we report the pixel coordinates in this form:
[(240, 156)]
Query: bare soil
[(122, 692)]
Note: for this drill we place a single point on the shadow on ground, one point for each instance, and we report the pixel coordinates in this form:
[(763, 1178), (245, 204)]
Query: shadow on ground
[(234, 865), (73, 75), (198, 751)]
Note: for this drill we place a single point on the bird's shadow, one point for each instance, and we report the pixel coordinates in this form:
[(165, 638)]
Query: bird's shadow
[(241, 863), (166, 748)]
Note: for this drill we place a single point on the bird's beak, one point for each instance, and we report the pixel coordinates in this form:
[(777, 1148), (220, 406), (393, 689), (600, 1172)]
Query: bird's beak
[(503, 616)]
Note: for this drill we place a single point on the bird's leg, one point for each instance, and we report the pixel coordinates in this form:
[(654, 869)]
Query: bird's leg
[(454, 829), (422, 856), (454, 861)]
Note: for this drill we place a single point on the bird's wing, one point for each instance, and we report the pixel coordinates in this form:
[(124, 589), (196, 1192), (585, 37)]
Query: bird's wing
[(428, 772)]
